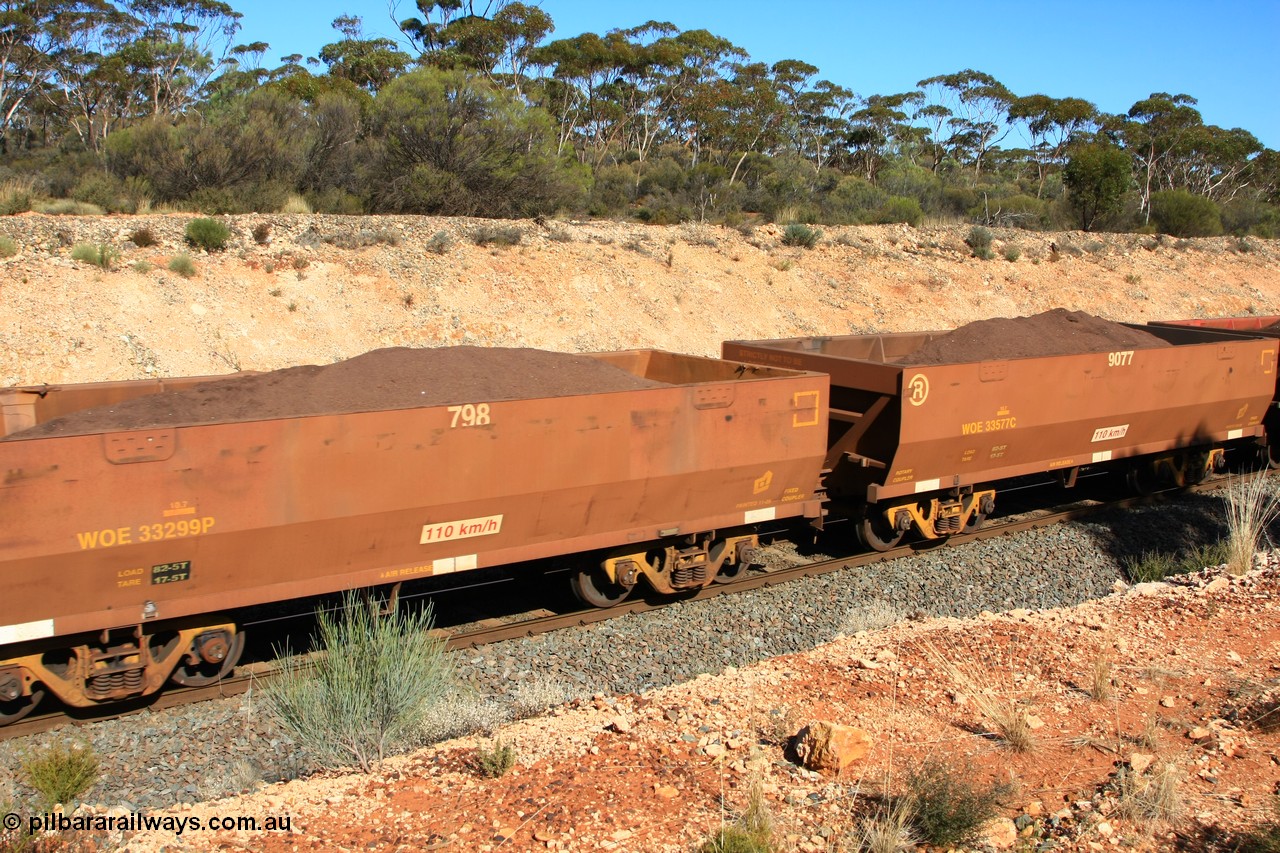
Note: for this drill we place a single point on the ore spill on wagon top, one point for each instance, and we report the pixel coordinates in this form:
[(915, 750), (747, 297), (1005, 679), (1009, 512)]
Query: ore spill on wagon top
[(392, 378), (1055, 332)]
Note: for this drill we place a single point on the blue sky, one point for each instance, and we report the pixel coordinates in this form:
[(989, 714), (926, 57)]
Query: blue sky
[(1111, 53)]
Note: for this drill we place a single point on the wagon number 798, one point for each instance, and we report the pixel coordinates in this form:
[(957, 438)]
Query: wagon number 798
[(1120, 359), (469, 415)]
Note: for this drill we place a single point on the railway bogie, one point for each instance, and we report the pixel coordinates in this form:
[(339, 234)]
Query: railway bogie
[(116, 664)]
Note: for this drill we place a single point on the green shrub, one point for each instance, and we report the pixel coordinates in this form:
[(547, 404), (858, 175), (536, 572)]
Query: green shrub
[(367, 694), (182, 265), (1242, 216), (143, 237), (947, 808), (208, 234), (979, 238), (100, 255), (497, 235), (1157, 565), (1012, 252), (798, 234), (61, 773), (1182, 214), (440, 243), (143, 267), (8, 248), (100, 190), (985, 253), (901, 209), (495, 761)]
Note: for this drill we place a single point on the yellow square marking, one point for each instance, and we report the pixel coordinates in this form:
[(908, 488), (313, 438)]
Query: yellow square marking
[(810, 402)]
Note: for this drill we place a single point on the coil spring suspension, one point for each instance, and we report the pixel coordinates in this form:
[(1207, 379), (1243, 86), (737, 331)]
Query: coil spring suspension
[(689, 575), (951, 524), (114, 683)]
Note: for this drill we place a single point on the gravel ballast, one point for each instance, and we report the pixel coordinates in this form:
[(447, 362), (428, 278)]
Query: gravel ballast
[(203, 751)]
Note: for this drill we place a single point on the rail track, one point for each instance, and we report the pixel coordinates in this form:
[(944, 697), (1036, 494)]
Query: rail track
[(489, 631)]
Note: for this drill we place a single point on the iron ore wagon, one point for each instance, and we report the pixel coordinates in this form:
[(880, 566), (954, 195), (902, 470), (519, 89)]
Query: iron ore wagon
[(121, 533), (921, 446)]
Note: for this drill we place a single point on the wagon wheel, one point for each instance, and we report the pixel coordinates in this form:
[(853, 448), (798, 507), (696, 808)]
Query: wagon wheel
[(975, 522), (1196, 466), (592, 586), (876, 534), (730, 572), (1142, 479), (203, 673), (1272, 454), (16, 709)]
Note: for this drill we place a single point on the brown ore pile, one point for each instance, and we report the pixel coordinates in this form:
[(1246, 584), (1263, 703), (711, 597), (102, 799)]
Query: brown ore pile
[(393, 378), (1055, 332)]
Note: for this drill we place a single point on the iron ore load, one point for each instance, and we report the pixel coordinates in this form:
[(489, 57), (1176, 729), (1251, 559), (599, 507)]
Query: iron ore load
[(138, 518), (925, 424), (132, 511)]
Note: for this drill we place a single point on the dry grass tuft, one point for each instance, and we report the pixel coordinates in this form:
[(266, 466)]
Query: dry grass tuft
[(1155, 797), (887, 831), (751, 833), (1100, 687), (1252, 506), (1004, 712), (295, 203)]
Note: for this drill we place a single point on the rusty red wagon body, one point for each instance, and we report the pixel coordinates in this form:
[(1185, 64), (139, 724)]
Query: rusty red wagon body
[(1249, 327), (149, 531), (922, 444)]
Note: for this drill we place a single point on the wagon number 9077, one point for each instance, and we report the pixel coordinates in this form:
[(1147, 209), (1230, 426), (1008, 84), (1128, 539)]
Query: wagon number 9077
[(469, 415), (1120, 359)]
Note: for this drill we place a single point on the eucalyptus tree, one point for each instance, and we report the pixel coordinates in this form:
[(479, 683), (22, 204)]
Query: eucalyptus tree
[(701, 61), (1152, 131), (32, 35), (495, 37), (178, 47), (92, 77), (1214, 162), (881, 126), (580, 94), (749, 117), (1050, 125), (370, 63), (974, 106)]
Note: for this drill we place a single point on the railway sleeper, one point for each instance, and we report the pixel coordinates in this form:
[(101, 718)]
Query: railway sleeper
[(692, 563), (118, 664)]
